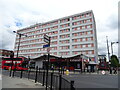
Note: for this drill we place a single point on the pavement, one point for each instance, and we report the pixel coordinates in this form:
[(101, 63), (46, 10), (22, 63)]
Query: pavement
[(16, 82)]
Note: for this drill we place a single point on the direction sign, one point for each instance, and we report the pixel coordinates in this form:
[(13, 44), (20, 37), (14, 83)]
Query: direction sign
[(47, 45), (46, 39)]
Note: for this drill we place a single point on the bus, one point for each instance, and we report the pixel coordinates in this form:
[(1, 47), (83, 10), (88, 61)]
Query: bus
[(19, 63)]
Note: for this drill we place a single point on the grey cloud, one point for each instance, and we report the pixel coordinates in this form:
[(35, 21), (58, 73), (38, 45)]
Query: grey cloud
[(102, 51), (7, 40), (112, 22)]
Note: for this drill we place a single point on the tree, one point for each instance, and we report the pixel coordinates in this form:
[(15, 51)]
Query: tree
[(114, 61)]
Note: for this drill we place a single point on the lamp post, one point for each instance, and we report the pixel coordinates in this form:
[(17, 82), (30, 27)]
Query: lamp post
[(108, 48), (112, 47), (82, 62), (28, 62), (19, 40)]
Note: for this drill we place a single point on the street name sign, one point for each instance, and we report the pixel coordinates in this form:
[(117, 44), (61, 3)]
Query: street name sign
[(47, 45)]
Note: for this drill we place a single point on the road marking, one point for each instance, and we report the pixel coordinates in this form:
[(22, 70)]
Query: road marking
[(0, 77)]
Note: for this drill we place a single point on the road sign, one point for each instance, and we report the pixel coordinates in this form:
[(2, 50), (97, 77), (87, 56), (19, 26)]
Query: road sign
[(103, 72), (47, 45), (46, 39)]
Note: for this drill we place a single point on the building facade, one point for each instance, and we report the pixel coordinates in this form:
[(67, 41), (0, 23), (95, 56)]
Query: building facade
[(70, 36), (6, 53)]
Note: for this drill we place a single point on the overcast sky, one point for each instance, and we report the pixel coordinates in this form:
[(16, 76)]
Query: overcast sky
[(16, 14)]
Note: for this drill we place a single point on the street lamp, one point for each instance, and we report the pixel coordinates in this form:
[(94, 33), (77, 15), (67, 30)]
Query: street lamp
[(19, 40), (82, 62), (112, 47), (108, 48), (28, 62)]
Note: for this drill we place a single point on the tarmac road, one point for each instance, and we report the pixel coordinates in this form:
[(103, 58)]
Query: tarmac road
[(93, 80)]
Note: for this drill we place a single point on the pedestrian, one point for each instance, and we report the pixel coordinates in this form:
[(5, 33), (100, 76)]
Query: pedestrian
[(110, 70)]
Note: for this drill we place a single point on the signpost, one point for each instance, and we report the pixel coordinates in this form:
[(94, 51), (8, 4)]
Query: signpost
[(47, 40)]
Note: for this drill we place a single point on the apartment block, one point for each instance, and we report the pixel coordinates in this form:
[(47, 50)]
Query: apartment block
[(70, 36)]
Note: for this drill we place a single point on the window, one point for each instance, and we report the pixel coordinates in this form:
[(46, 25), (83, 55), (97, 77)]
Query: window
[(75, 40), (83, 27), (91, 32), (83, 21), (83, 46), (74, 18), (55, 53), (88, 32), (87, 14), (90, 52), (83, 39), (91, 20), (80, 27), (82, 15), (91, 26), (88, 20), (92, 45), (83, 33), (91, 38), (86, 52), (75, 28), (88, 26)]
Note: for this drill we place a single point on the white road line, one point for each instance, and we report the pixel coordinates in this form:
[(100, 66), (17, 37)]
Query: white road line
[(0, 77)]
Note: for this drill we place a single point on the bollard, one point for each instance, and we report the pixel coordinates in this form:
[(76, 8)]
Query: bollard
[(71, 87), (53, 70), (21, 73), (110, 71), (29, 73), (10, 71), (60, 82), (13, 72), (63, 71), (39, 70), (43, 78), (14, 69), (51, 81), (36, 74)]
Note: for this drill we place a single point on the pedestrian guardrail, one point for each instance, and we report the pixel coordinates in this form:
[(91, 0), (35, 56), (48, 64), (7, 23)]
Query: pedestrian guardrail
[(55, 80)]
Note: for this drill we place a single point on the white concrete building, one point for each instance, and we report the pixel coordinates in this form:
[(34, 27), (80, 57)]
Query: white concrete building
[(70, 36)]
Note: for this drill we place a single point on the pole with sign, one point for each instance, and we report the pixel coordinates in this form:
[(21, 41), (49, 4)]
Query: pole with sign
[(47, 40)]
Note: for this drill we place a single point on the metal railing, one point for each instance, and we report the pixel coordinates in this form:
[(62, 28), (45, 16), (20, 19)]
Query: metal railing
[(55, 80)]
